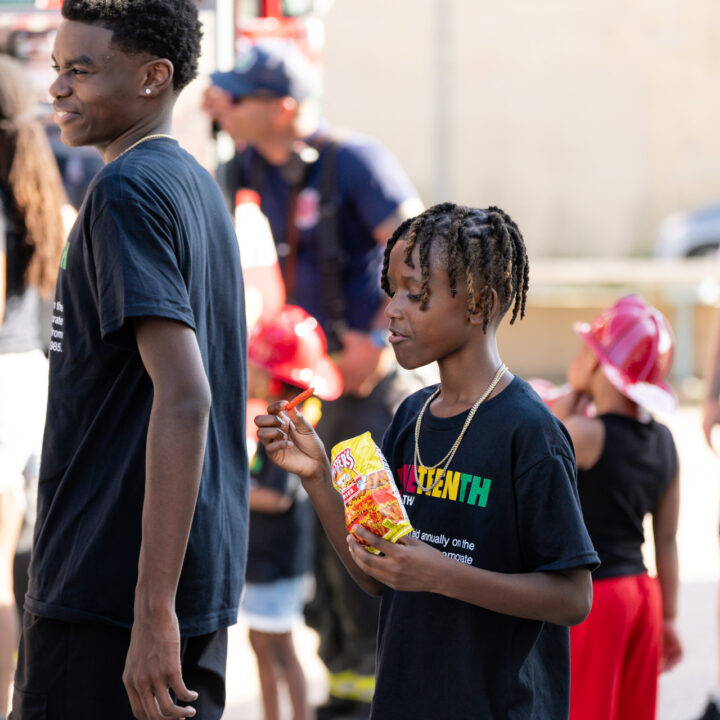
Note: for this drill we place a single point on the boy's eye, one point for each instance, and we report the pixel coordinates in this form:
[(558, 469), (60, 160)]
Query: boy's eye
[(414, 297)]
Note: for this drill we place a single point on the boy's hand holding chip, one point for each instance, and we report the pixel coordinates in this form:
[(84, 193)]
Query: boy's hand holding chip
[(291, 442)]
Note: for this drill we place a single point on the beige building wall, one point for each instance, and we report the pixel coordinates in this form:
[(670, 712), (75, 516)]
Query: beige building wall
[(587, 121)]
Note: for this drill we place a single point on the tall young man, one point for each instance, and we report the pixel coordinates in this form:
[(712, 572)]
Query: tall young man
[(142, 513)]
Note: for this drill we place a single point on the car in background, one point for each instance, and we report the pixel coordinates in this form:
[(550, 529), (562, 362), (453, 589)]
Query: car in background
[(689, 234)]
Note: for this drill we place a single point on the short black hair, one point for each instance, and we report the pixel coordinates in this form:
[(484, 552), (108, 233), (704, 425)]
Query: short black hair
[(162, 28), (483, 248)]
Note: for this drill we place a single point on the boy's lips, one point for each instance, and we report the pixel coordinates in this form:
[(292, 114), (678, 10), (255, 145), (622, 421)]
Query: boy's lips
[(396, 336)]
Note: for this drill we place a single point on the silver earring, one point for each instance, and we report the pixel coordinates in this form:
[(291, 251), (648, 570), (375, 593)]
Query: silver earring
[(148, 91)]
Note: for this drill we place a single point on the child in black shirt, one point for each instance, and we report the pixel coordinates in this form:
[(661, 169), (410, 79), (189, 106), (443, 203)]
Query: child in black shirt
[(474, 603), (287, 352), (627, 468)]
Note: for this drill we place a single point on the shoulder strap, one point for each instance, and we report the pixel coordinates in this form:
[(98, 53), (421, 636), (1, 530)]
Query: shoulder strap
[(331, 257), (330, 251)]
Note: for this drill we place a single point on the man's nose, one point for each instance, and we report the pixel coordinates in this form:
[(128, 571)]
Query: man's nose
[(59, 88)]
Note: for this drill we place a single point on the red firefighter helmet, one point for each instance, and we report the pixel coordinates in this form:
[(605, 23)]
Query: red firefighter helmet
[(634, 344), (292, 347)]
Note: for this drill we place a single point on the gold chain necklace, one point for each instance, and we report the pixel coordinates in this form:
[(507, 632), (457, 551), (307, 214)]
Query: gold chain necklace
[(142, 140), (451, 453)]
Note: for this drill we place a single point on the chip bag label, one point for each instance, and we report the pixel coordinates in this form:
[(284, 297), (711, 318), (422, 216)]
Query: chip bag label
[(362, 476)]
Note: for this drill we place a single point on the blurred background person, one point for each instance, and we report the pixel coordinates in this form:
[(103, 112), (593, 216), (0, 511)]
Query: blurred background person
[(332, 200), (31, 200), (286, 353), (627, 468)]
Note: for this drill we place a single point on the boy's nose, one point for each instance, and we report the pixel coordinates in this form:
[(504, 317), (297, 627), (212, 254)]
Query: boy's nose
[(391, 309)]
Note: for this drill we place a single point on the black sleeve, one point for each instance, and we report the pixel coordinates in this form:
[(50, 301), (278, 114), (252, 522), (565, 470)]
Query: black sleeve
[(137, 264), (552, 531)]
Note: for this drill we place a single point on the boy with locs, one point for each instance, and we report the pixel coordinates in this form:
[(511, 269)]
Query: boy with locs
[(471, 629), (142, 511)]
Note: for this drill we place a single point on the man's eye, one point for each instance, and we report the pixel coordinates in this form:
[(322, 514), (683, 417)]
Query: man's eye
[(413, 297), (78, 71), (56, 68)]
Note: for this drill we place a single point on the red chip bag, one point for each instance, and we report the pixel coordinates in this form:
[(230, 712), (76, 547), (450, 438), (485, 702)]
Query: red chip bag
[(361, 475)]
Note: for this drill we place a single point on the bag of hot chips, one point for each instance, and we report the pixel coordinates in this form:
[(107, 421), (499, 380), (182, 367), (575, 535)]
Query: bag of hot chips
[(361, 475)]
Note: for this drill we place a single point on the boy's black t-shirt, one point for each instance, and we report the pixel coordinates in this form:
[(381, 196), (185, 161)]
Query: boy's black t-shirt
[(280, 544), (637, 464), (153, 238), (508, 503)]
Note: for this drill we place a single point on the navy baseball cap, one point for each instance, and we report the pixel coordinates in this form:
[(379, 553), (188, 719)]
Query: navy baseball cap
[(270, 67)]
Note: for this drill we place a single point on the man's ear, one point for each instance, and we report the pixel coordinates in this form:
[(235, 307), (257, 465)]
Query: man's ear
[(477, 317), (157, 77), (284, 110)]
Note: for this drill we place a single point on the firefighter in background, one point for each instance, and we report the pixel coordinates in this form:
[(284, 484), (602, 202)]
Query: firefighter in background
[(332, 201)]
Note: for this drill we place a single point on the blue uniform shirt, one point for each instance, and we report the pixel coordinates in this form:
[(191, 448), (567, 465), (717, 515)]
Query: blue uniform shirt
[(370, 185)]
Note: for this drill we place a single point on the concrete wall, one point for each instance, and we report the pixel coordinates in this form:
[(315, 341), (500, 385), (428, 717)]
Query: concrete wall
[(589, 122)]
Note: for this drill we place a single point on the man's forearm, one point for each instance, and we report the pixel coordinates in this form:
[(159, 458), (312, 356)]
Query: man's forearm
[(175, 453)]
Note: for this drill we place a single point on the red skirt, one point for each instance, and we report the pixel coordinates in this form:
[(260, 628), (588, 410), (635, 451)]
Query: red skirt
[(615, 653)]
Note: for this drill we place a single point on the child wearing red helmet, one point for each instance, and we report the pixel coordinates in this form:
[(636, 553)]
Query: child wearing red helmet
[(627, 467), (286, 353)]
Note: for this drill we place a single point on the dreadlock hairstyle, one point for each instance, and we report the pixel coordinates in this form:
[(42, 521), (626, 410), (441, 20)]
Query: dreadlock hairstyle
[(162, 28), (30, 181), (483, 249)]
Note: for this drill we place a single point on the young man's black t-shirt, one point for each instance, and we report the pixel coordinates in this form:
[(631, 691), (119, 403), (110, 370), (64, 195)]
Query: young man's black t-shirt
[(153, 238), (508, 503)]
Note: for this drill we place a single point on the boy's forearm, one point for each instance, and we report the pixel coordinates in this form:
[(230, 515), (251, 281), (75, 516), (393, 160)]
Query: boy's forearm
[(562, 598), (329, 507)]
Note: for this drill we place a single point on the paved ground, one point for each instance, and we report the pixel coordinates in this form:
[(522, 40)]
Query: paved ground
[(683, 691)]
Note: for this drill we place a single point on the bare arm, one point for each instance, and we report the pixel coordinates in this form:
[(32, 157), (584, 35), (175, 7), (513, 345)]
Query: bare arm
[(175, 452), (665, 523), (3, 271), (711, 404), (267, 500), (406, 209), (291, 443), (587, 434), (562, 597), (363, 363)]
